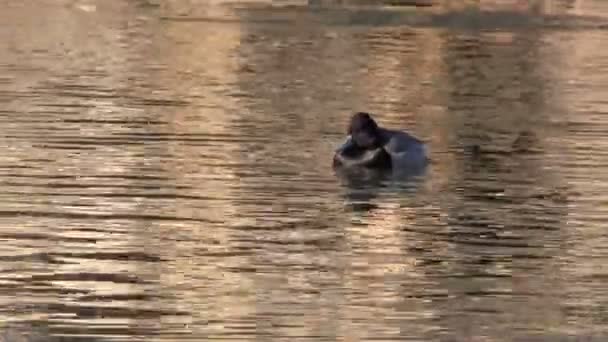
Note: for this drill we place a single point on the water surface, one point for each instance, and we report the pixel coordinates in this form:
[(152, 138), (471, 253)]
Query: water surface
[(166, 172)]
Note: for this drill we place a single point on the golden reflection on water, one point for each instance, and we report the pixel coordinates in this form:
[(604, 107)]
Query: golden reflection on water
[(166, 173)]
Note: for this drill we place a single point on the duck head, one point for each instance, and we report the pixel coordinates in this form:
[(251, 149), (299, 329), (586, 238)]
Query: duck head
[(364, 131)]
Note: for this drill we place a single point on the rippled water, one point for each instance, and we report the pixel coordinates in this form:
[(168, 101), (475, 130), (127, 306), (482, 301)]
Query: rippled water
[(166, 172)]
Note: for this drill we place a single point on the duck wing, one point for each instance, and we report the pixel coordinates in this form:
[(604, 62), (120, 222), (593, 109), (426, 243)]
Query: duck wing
[(398, 142), (405, 150)]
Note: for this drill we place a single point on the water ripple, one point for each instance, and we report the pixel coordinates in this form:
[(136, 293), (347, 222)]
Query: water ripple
[(167, 172)]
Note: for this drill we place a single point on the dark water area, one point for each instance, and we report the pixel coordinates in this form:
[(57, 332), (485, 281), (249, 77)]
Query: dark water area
[(166, 172)]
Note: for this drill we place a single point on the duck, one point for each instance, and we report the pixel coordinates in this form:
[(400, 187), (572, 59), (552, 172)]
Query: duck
[(370, 146)]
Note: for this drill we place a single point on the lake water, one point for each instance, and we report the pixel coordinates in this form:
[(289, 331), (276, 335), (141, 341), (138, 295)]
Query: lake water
[(166, 172)]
